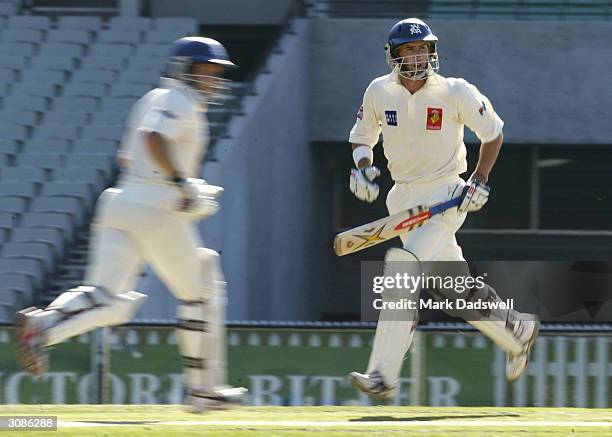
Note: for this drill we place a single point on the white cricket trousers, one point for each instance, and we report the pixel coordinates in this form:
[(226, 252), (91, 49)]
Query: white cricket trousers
[(136, 223), (435, 240)]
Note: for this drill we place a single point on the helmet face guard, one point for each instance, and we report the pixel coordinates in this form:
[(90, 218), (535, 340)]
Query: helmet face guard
[(412, 67), (212, 89)]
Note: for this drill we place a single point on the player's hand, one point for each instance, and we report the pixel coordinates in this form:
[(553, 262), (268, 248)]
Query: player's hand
[(476, 195), (189, 194), (362, 185)]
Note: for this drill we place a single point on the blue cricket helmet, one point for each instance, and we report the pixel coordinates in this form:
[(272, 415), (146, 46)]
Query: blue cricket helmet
[(200, 49), (186, 52), (413, 67), (409, 30)]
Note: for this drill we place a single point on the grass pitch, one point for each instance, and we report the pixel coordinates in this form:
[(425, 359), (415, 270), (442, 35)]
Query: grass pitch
[(172, 420)]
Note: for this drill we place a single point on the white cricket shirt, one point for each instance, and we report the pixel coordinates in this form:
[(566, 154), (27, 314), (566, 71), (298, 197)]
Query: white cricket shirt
[(175, 112), (423, 132)]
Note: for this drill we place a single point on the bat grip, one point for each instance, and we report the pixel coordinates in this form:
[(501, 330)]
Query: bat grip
[(441, 207)]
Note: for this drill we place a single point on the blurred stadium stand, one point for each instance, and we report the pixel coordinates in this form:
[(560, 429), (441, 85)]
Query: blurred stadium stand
[(67, 83), (460, 9)]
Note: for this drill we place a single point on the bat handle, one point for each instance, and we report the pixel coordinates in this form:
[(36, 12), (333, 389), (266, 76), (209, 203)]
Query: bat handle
[(441, 207)]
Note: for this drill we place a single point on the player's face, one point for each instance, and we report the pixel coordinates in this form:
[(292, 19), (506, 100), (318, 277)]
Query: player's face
[(414, 56), (209, 76)]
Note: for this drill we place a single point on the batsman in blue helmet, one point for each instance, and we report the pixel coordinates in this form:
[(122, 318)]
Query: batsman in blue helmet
[(416, 66), (150, 218), (421, 116)]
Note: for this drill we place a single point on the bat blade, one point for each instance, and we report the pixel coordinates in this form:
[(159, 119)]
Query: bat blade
[(386, 228)]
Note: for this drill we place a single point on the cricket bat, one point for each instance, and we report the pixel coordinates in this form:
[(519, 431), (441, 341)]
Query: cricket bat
[(384, 229)]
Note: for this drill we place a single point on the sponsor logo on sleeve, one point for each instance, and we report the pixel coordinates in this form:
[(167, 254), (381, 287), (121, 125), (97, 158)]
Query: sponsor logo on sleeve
[(483, 108), (360, 113)]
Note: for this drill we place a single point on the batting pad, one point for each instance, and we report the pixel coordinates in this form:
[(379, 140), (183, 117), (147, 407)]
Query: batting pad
[(394, 332)]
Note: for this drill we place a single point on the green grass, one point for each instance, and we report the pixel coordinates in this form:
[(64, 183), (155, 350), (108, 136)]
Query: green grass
[(146, 420)]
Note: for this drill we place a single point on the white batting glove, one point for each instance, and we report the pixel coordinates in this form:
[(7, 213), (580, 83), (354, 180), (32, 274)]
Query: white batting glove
[(476, 196), (198, 199), (362, 185)]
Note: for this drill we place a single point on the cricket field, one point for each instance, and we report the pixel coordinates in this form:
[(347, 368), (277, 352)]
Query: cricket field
[(172, 420)]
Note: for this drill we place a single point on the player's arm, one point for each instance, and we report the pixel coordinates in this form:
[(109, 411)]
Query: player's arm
[(158, 151), (123, 161), (363, 138), (159, 126), (477, 112), (488, 154), (363, 161)]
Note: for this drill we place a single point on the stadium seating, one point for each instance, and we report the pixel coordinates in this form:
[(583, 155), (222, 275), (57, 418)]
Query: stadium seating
[(70, 36), (40, 251), (18, 284), (17, 48), (49, 62), (89, 23), (13, 61), (7, 9), (67, 50), (130, 23), (93, 76), (22, 35), (29, 22), (20, 116)]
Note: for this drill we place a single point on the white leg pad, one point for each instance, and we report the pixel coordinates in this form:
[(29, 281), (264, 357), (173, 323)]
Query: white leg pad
[(498, 324), (84, 308), (201, 330), (395, 329)]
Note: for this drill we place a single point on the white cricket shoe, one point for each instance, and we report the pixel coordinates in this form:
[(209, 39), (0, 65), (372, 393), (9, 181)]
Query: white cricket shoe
[(526, 332), (373, 385), (222, 398), (31, 352)]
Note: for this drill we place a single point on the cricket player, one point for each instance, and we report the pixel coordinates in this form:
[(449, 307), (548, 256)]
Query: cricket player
[(421, 115), (150, 217)]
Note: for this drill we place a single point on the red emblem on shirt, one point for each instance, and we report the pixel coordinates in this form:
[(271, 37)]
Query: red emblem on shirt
[(434, 118)]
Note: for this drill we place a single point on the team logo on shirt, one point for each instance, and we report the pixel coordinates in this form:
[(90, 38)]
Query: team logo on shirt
[(391, 117), (434, 118), (360, 113)]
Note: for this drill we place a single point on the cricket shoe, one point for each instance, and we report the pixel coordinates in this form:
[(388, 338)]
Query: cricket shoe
[(372, 384), (222, 398), (526, 332), (30, 337)]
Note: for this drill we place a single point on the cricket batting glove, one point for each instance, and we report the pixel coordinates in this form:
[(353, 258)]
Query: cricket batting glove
[(193, 201), (362, 183), (189, 194), (476, 195)]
